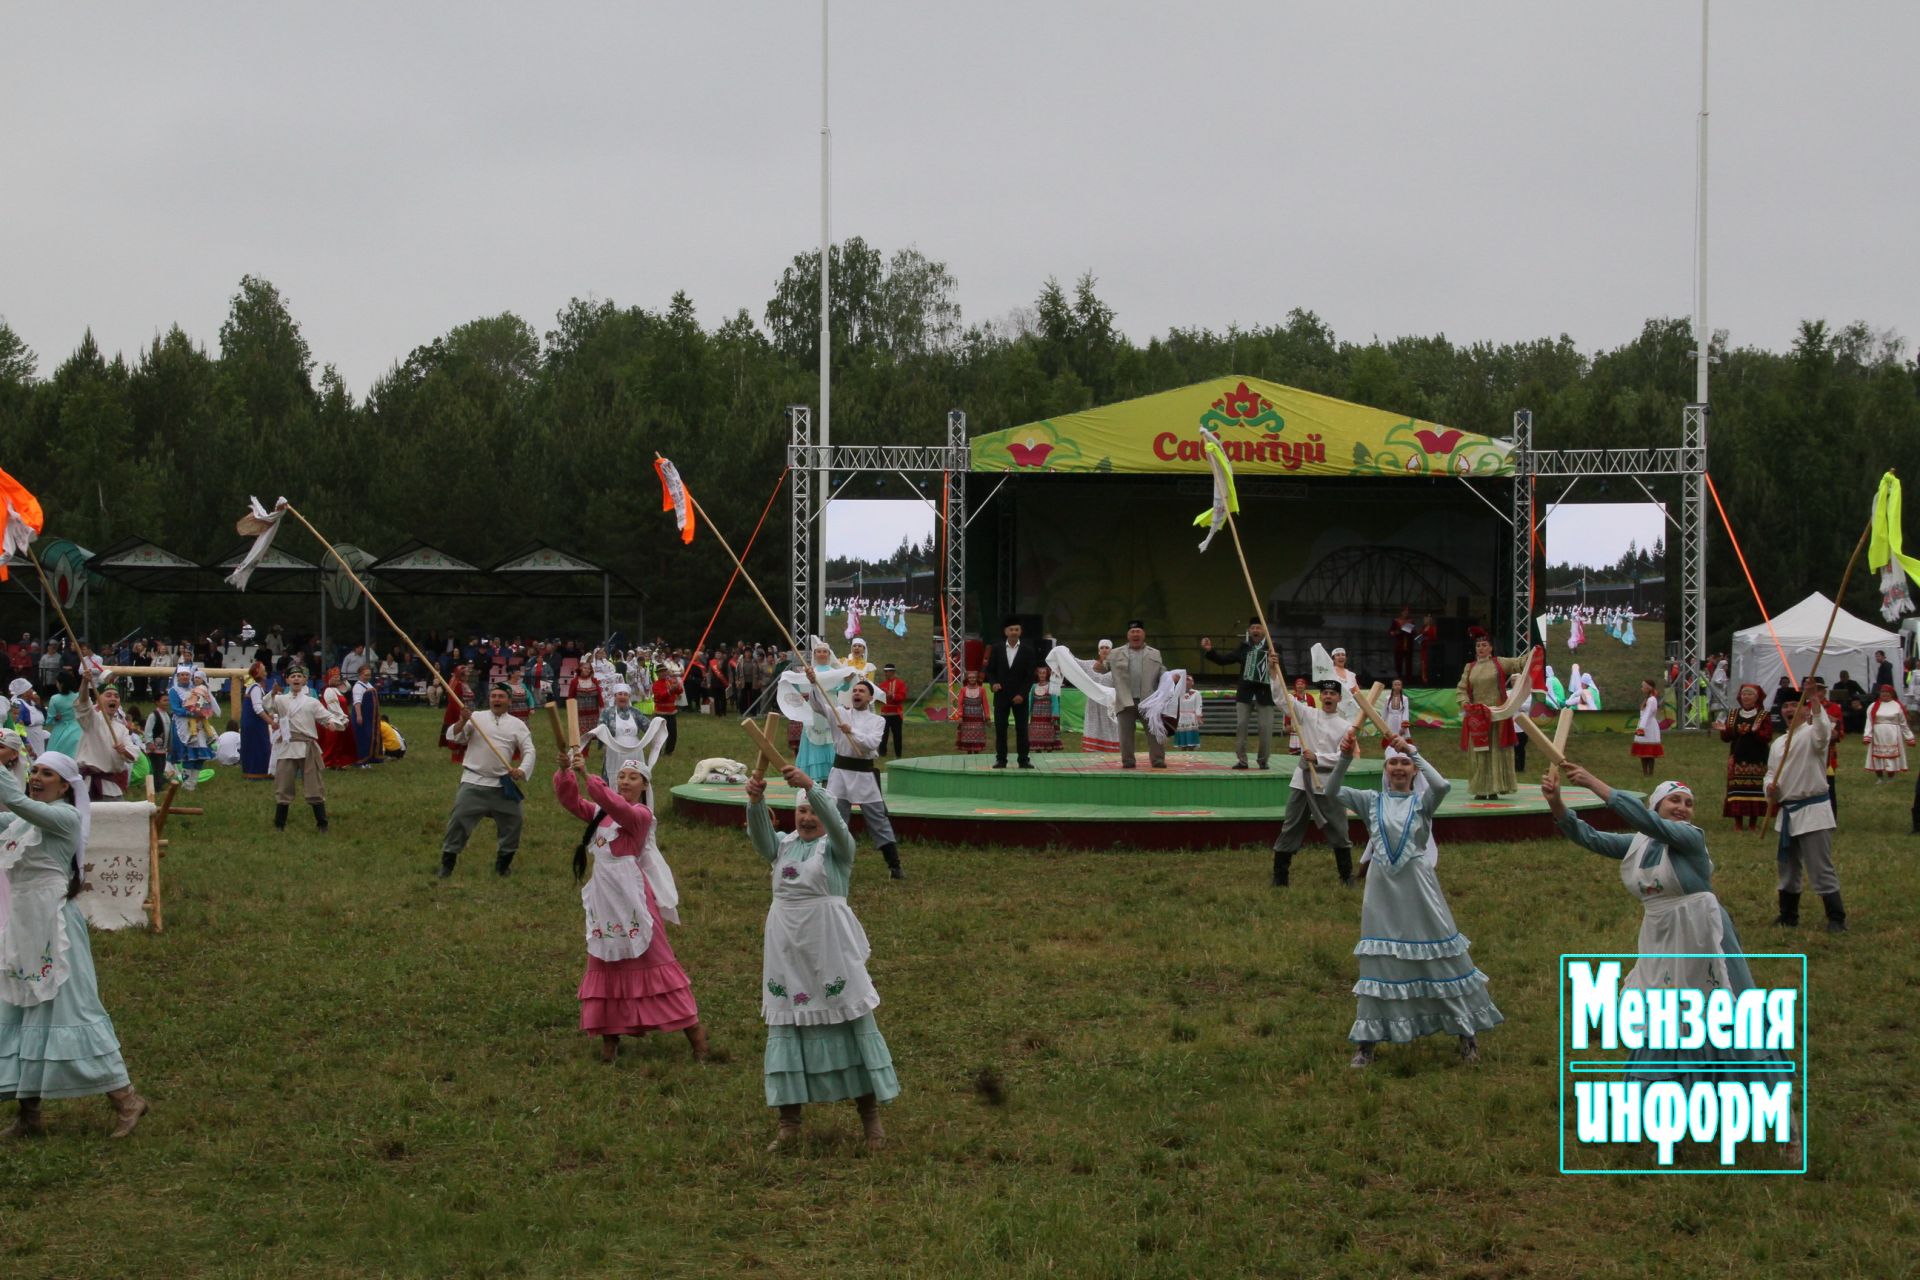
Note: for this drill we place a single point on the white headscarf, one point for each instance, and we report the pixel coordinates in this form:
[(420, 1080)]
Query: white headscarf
[(65, 765), (1660, 792), (21, 687), (1431, 849)]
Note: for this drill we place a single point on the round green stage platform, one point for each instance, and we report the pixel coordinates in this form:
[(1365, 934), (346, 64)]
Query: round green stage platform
[(1087, 801)]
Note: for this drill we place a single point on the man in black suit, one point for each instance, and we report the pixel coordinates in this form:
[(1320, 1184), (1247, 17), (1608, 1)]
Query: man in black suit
[(1009, 673)]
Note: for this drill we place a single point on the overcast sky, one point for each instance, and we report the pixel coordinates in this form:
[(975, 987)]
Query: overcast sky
[(1488, 170), (1597, 534)]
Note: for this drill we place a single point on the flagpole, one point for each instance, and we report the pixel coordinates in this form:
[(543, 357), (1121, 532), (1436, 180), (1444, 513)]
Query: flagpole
[(824, 477), (721, 538), (432, 669)]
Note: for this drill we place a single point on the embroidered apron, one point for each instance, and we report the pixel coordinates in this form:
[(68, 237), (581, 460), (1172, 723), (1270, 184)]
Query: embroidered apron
[(1676, 924), (814, 966), (33, 941), (619, 926)]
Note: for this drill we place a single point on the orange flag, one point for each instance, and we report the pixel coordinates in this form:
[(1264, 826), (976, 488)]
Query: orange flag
[(674, 497), (24, 520)]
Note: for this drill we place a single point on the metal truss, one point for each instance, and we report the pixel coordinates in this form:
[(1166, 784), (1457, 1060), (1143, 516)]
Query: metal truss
[(1693, 559), (812, 468), (1520, 558), (1568, 463)]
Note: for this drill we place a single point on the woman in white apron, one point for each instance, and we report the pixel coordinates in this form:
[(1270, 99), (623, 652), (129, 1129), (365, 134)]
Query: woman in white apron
[(823, 1044), (1687, 939), (1887, 736), (1417, 975), (634, 983), (56, 1040)]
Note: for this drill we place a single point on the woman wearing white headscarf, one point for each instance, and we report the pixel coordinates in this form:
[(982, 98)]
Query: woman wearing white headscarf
[(1100, 729), (56, 1040), (815, 754), (1417, 977), (13, 758)]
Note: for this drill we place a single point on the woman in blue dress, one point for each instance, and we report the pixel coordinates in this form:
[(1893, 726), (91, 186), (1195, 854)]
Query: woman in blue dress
[(815, 752), (256, 740), (56, 1040)]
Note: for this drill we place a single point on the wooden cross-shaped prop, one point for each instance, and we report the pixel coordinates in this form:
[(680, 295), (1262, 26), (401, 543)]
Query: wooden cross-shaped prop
[(768, 753), (1369, 712)]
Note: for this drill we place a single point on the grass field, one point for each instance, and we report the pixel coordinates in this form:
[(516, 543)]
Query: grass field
[(1617, 668), (1114, 1065)]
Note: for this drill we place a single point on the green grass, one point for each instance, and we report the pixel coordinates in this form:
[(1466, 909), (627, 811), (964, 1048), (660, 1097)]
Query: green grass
[(1114, 1065), (1617, 668)]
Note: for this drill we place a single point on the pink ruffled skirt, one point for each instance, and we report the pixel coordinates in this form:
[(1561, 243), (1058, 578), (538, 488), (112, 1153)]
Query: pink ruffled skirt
[(632, 997)]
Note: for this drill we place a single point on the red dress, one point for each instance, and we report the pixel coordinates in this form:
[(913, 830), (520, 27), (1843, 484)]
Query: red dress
[(585, 692), (451, 717), (338, 750), (1043, 720), (971, 736)]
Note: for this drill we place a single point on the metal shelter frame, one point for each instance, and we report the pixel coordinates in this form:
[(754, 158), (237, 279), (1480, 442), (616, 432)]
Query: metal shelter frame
[(812, 478), (1688, 463)]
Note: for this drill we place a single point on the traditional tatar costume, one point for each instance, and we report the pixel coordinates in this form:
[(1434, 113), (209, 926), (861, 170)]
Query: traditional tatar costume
[(855, 779), (1101, 728), (1043, 714), (623, 732), (1646, 734), (970, 725), (795, 699), (299, 722), (1747, 733), (1487, 741), (1416, 975), (189, 746), (823, 1044), (256, 739), (1887, 736)]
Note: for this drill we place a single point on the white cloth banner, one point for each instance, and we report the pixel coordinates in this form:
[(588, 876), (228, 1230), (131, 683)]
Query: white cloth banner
[(117, 865), (1060, 661), (263, 525)]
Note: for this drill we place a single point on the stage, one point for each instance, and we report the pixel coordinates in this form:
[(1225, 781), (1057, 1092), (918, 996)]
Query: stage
[(1083, 800)]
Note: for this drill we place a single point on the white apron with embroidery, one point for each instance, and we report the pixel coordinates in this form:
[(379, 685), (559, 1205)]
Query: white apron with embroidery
[(1676, 924), (814, 966), (619, 926), (33, 941)]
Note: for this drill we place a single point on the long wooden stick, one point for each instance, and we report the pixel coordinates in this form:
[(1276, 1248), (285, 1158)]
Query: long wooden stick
[(432, 669), (46, 589), (722, 540), (1773, 806)]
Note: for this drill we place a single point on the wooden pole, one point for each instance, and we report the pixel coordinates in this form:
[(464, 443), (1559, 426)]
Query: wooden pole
[(432, 670), (722, 540)]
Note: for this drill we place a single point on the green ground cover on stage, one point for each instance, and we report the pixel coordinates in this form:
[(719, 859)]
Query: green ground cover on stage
[(1114, 1065)]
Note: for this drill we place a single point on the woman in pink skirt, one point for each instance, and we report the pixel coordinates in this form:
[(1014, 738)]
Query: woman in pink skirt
[(633, 984)]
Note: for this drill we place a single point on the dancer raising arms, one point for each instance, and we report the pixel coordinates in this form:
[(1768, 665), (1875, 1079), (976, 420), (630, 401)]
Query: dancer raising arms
[(1416, 975), (634, 983)]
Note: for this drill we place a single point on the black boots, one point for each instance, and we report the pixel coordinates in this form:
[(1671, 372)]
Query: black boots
[(891, 852), (503, 865), (1343, 863), (1789, 909), (1282, 868), (320, 817), (280, 817), (1836, 913)]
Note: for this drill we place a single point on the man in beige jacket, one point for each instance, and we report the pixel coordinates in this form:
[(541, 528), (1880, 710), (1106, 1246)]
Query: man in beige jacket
[(1136, 669)]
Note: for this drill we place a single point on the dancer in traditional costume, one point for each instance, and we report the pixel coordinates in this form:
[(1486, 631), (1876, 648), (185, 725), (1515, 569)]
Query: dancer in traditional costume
[(857, 734), (1416, 975), (56, 1040), (861, 666), (585, 690), (1488, 742), (1322, 730), (667, 689), (63, 727), (298, 723), (1253, 693), (970, 732), (367, 750), (794, 697), (893, 708), (621, 732), (488, 781), (1100, 730), (1797, 781), (634, 983), (107, 749), (336, 727), (189, 746), (256, 739), (1747, 733), (823, 1044), (1887, 736), (1687, 939), (1043, 710), (1192, 707), (1397, 711), (1646, 734), (463, 694)]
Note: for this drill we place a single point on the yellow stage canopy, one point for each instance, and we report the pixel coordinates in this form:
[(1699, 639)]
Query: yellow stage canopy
[(1265, 428)]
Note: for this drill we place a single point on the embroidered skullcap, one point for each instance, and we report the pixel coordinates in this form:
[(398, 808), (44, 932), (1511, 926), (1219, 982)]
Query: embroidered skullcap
[(1254, 621), (1332, 686), (1136, 625), (500, 686), (21, 687), (1666, 789)]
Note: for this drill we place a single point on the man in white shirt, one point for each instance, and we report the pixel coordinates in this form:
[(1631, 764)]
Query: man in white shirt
[(1323, 732), (355, 659), (294, 717), (107, 749), (857, 734), (1797, 782), (488, 779)]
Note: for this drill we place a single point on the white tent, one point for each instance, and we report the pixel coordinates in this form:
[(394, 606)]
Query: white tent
[(1850, 648)]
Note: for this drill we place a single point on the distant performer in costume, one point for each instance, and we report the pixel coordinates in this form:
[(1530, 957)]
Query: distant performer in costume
[(1488, 742), (857, 735), (1429, 641), (970, 724), (1397, 711), (1100, 730), (1400, 633), (1009, 675), (337, 747), (463, 692), (1748, 732), (585, 691), (1186, 735), (1043, 710), (823, 1044), (1887, 736), (634, 983), (488, 781), (893, 708), (189, 744), (367, 749), (297, 722), (1797, 782), (256, 737), (1254, 661), (1136, 668), (619, 730), (56, 1040), (63, 726), (107, 749), (1322, 730), (1646, 733), (666, 690), (1416, 975), (795, 700)]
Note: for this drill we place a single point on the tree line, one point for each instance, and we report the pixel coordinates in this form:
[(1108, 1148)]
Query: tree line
[(495, 432)]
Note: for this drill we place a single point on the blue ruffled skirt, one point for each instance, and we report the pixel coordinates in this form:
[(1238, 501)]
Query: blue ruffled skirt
[(828, 1062), (65, 1047)]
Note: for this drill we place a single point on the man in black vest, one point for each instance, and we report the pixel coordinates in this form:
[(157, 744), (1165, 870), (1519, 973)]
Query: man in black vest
[(1009, 673)]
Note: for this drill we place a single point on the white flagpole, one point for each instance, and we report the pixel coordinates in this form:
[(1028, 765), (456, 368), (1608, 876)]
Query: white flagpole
[(1702, 336), (826, 335)]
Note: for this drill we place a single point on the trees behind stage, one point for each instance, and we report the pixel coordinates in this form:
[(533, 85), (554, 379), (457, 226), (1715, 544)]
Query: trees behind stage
[(494, 433)]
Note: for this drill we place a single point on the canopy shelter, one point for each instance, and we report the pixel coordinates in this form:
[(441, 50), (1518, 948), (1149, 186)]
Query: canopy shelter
[(426, 570), (1348, 514), (545, 572), (1850, 648)]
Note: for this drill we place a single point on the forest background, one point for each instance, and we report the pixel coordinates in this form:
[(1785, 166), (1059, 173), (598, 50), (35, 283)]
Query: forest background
[(495, 432)]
